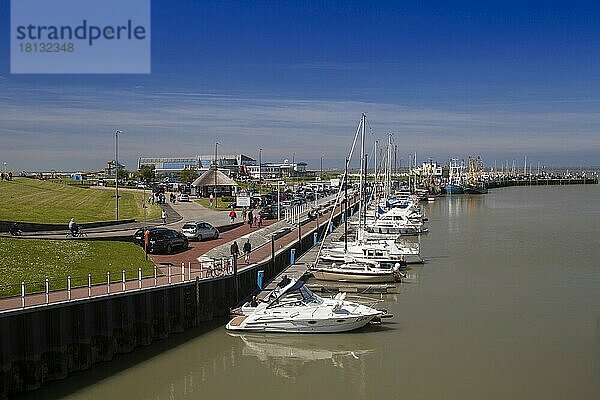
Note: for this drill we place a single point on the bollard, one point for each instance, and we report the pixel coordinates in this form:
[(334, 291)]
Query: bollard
[(315, 238), (69, 288), (108, 282), (23, 294), (89, 285), (123, 280), (182, 272), (139, 278), (47, 291), (155, 275), (292, 256), (259, 279), (169, 273)]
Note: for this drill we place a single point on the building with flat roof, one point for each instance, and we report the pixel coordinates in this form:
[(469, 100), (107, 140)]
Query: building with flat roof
[(167, 166), (277, 170)]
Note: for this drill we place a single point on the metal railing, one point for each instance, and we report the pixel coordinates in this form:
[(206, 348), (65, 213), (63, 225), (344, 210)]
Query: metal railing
[(58, 290)]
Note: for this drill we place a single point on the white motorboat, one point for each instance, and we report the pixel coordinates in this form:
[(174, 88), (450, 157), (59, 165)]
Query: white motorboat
[(292, 307), (395, 222), (382, 251)]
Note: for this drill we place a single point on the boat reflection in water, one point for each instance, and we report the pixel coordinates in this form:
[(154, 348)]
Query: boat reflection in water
[(287, 356)]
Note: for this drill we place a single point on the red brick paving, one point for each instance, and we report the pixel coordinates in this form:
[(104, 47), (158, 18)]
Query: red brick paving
[(191, 268)]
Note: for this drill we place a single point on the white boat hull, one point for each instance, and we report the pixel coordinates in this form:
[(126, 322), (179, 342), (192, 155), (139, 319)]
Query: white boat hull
[(270, 324), (332, 275)]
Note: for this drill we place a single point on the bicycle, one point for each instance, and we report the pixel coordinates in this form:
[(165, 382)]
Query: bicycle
[(77, 234)]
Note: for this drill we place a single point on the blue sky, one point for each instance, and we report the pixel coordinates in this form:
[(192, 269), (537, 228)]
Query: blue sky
[(501, 79)]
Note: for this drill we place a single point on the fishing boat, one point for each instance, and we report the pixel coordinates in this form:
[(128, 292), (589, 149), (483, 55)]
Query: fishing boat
[(293, 308), (474, 184)]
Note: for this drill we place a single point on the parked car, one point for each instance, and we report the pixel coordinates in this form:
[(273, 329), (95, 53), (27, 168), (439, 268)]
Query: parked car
[(162, 240), (199, 230), (183, 197), (269, 212)]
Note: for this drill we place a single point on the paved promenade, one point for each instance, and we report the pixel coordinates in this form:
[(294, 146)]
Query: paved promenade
[(183, 266)]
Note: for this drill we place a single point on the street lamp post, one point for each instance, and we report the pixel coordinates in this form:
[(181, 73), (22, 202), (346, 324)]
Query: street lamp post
[(216, 169), (117, 174), (259, 170), (321, 173)]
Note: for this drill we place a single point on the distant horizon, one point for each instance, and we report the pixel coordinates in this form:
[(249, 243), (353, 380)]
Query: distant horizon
[(502, 80)]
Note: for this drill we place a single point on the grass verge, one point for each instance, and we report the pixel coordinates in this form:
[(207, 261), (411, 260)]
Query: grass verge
[(32, 200), (32, 260)]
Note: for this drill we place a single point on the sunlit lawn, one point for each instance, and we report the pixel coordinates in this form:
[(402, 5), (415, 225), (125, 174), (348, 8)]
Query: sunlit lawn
[(33, 260), (33, 200)]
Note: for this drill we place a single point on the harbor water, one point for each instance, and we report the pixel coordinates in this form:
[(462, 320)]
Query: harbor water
[(507, 307)]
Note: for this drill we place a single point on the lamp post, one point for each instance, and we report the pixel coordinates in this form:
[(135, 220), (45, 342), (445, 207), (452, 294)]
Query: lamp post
[(117, 174), (321, 173), (259, 170), (216, 169)]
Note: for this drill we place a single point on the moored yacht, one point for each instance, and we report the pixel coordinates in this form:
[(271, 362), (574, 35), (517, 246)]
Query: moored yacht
[(292, 307)]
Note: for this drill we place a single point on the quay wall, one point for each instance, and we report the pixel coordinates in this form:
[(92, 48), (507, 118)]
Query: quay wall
[(46, 343), (541, 182)]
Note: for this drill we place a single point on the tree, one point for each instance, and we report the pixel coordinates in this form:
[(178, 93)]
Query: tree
[(146, 173), (188, 176), (123, 174)]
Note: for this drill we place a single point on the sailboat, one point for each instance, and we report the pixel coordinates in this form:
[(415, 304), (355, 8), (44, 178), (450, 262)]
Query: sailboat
[(356, 269)]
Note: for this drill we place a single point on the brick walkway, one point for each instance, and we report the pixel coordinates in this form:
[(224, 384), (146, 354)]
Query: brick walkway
[(164, 274)]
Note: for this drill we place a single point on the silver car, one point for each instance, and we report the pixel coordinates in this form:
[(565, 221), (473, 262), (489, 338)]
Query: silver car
[(199, 230)]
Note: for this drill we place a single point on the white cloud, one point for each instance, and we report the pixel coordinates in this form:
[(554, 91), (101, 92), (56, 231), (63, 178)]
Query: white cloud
[(42, 125)]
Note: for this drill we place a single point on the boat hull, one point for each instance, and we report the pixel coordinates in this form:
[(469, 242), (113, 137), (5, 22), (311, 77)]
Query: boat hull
[(341, 324), (453, 189), (475, 190), (339, 276)]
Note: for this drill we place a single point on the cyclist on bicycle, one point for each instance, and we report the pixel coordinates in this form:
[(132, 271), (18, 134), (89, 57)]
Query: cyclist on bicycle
[(73, 227)]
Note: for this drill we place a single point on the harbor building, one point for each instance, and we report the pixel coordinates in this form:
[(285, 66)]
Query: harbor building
[(277, 170), (232, 164)]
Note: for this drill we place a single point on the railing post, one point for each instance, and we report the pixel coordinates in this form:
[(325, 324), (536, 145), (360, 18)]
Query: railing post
[(182, 272), (89, 285), (108, 282), (169, 274), (139, 278), (47, 291), (155, 276), (22, 294), (69, 288), (123, 280), (189, 271)]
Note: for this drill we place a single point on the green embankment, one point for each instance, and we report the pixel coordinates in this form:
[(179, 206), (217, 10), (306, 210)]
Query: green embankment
[(29, 260), (32, 200)]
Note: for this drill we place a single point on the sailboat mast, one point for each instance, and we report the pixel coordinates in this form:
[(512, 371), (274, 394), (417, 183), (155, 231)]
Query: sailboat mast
[(346, 207), (362, 159)]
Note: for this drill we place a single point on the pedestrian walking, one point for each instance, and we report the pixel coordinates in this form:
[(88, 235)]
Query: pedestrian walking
[(163, 216), (247, 250), (258, 220), (234, 249), (232, 216), (250, 218)]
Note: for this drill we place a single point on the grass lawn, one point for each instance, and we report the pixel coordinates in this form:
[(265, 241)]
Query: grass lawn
[(31, 260), (32, 200), (222, 205)]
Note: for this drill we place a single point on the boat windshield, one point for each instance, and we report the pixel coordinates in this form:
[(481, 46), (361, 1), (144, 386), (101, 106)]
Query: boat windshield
[(309, 296)]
